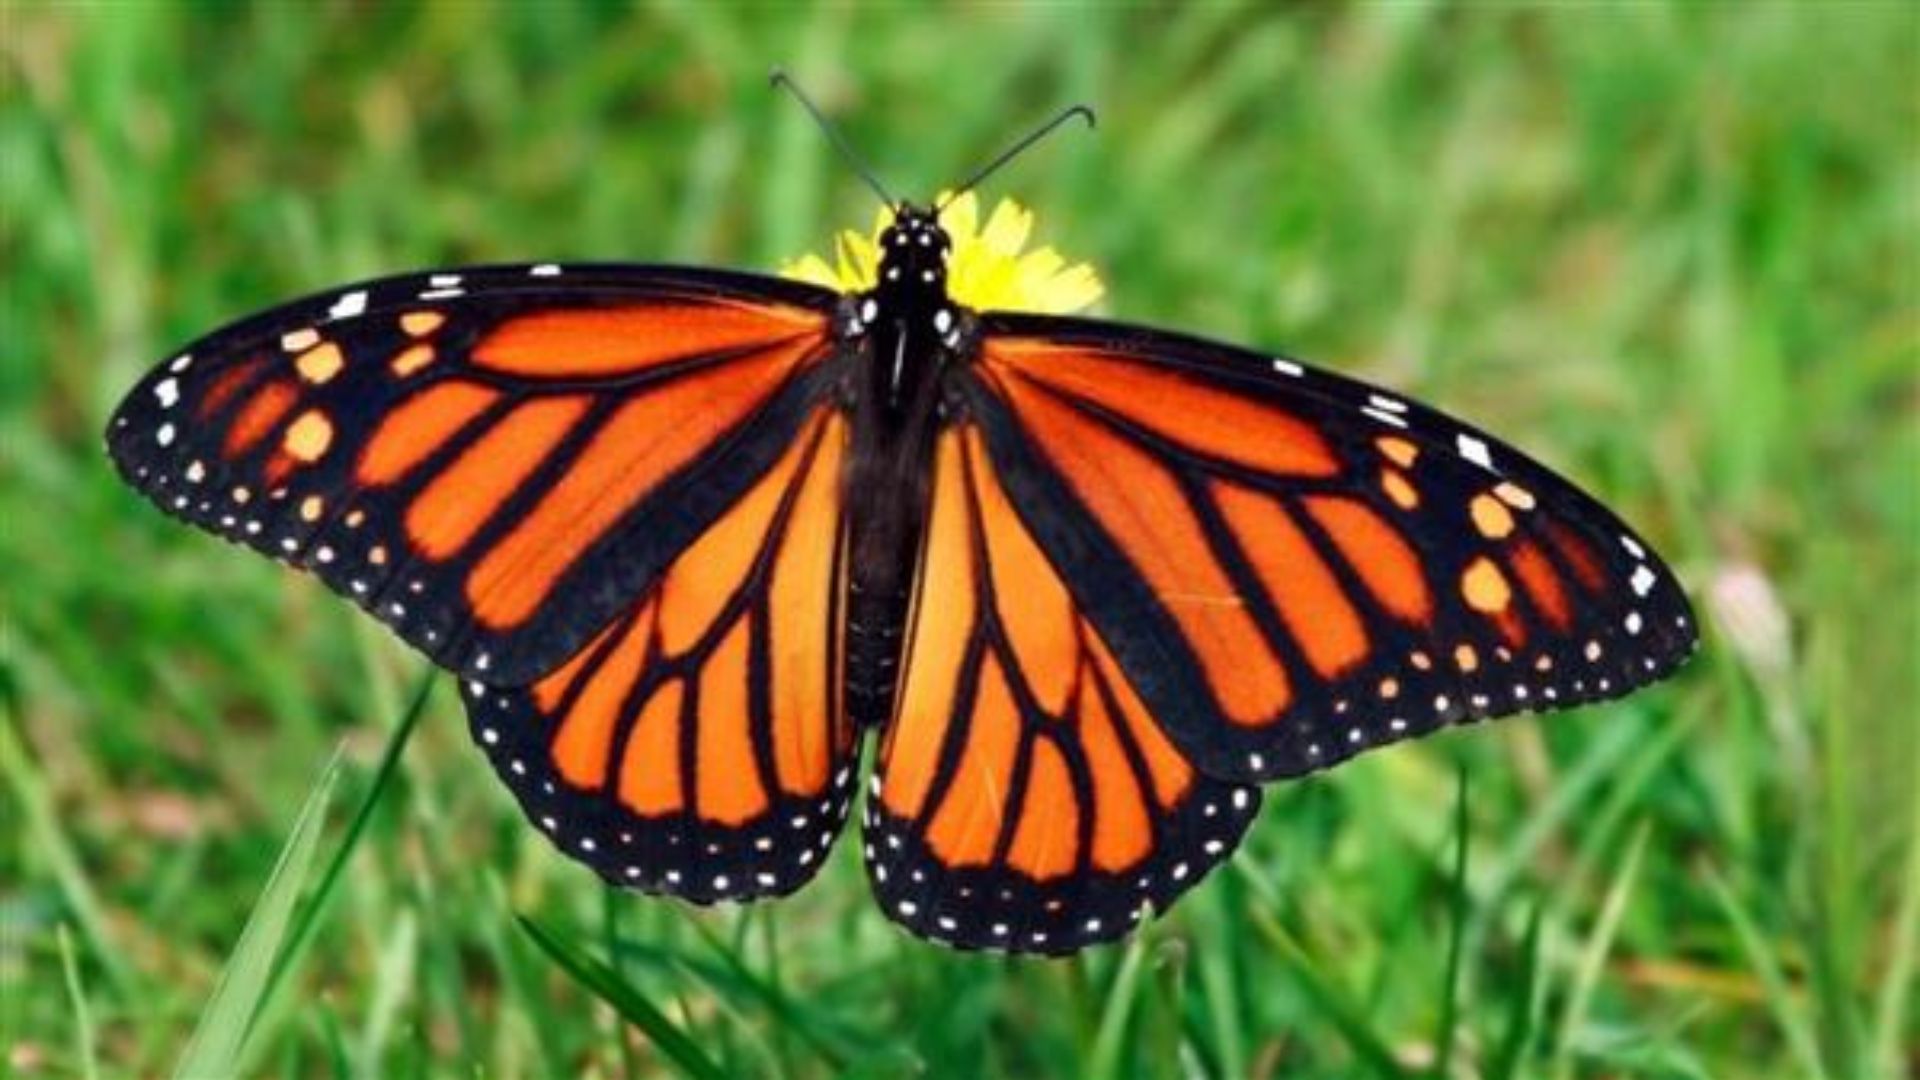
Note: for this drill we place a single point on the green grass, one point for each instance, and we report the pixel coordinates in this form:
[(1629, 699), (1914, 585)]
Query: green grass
[(1671, 248)]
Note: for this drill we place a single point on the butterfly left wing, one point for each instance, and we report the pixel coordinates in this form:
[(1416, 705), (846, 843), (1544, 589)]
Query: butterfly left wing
[(491, 461), (1024, 798), (1293, 566), (697, 745)]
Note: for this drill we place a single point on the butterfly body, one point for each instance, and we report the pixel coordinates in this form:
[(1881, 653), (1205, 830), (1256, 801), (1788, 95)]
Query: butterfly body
[(689, 536), (901, 338)]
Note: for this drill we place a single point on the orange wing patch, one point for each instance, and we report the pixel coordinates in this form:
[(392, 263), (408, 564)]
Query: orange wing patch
[(1205, 418), (1315, 607), (596, 342), (419, 427), (470, 491), (1378, 553), (1142, 507), (259, 415)]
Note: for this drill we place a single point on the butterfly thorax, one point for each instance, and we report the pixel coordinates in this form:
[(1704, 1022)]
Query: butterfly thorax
[(905, 327)]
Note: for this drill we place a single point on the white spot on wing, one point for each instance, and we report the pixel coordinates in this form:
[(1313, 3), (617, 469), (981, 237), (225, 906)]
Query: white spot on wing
[(545, 270), (1288, 367), (1474, 450), (1642, 581), (1381, 401), (1384, 417), (168, 391), (349, 306)]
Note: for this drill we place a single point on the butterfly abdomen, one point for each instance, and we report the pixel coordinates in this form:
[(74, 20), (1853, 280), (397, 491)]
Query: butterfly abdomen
[(876, 620)]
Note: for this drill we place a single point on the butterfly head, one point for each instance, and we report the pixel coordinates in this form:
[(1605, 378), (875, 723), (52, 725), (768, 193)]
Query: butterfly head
[(913, 250)]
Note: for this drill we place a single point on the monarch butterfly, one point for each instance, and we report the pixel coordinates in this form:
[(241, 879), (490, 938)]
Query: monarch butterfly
[(689, 536)]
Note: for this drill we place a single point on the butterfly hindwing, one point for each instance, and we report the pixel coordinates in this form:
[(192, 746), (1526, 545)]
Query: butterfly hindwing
[(1293, 566), (491, 461), (1024, 798), (697, 746)]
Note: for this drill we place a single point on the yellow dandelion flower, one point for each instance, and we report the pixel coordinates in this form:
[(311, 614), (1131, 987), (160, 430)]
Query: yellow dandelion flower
[(988, 269)]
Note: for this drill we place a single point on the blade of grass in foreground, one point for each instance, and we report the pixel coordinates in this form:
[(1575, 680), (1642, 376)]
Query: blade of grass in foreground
[(1108, 1041), (1329, 998), (838, 1048), (296, 927), (607, 985), (1891, 1016), (309, 918), (1520, 1020), (221, 1035), (82, 1015), (1593, 958), (1781, 997), (1456, 936)]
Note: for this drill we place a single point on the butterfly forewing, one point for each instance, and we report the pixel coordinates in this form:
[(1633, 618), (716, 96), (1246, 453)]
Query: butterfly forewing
[(492, 461), (1294, 567)]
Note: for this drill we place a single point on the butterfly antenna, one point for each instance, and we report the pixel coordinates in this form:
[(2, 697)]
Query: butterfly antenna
[(779, 78), (1014, 151)]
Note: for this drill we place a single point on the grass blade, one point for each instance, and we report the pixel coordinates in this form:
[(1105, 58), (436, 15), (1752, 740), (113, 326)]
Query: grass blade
[(1331, 1002), (1891, 1023), (40, 823), (1594, 958), (836, 1048), (221, 1034), (1113, 1018), (82, 1016), (1787, 1012), (1457, 933), (1520, 1019), (309, 918), (607, 985)]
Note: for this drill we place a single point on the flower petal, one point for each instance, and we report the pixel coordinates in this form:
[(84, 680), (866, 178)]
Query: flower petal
[(961, 219), (812, 269), (1007, 229)]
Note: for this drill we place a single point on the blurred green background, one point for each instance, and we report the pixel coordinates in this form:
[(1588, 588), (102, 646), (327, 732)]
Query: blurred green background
[(1669, 248)]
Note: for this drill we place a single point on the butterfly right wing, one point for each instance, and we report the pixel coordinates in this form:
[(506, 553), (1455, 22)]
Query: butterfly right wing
[(1024, 799), (697, 746)]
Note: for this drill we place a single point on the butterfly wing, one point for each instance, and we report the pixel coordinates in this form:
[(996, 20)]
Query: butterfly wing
[(1292, 566), (492, 461), (697, 745), (1025, 799)]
